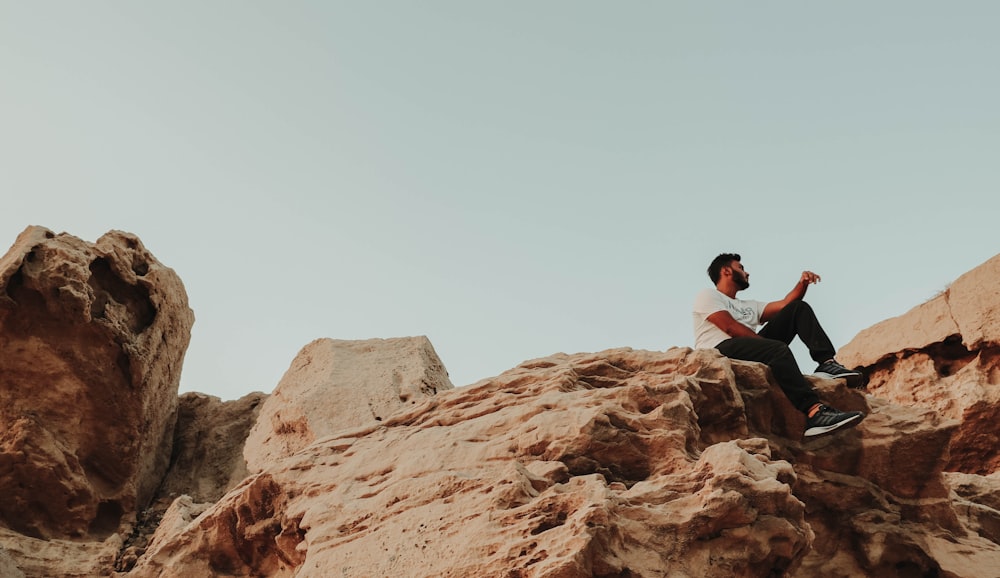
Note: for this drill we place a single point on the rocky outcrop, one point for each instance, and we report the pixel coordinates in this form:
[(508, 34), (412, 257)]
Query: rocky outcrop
[(944, 355), (334, 384), (366, 462), (92, 339), (621, 463), (966, 315)]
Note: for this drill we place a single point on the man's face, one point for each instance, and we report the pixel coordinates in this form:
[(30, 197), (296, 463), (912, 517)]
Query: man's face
[(740, 275)]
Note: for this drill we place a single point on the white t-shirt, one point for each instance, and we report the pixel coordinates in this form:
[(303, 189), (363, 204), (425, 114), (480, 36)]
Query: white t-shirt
[(707, 334)]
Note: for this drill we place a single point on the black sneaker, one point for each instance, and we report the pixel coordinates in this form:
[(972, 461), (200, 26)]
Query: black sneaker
[(826, 419), (833, 370)]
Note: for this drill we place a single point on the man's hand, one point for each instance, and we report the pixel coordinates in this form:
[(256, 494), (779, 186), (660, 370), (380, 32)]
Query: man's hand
[(808, 278), (797, 292)]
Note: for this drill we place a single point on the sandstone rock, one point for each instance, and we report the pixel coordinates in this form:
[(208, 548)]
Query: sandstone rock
[(34, 558), (924, 325), (944, 355), (365, 462), (334, 384), (207, 462), (92, 337), (969, 309), (8, 568), (621, 463), (977, 502), (208, 446)]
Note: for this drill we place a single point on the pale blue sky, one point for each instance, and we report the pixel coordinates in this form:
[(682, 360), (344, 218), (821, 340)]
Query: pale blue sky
[(511, 179)]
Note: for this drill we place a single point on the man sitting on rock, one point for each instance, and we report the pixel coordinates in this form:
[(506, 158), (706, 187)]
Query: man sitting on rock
[(723, 322)]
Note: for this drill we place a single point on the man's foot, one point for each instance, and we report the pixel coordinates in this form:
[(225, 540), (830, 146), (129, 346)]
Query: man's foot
[(830, 369), (824, 419)]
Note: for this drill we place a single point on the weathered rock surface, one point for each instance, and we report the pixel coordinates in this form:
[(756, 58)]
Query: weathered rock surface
[(334, 384), (366, 462), (36, 558), (207, 462), (208, 446), (92, 338), (621, 463), (967, 312), (944, 355)]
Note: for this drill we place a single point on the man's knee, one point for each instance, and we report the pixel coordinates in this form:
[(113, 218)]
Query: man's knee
[(777, 351), (800, 306)]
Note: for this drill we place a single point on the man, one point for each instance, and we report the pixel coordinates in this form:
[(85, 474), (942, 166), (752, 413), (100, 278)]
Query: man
[(723, 322)]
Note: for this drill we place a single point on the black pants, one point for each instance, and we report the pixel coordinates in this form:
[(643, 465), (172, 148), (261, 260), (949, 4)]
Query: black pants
[(798, 319)]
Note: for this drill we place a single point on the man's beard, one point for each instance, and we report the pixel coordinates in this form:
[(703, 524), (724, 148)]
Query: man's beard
[(742, 281)]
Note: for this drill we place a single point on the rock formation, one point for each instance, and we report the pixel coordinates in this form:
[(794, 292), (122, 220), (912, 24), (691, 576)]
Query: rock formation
[(334, 384), (92, 338), (944, 355), (207, 462), (620, 463), (366, 462)]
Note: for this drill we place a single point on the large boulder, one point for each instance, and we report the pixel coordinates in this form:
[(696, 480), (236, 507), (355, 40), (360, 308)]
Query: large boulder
[(944, 355), (92, 338), (619, 463), (336, 384)]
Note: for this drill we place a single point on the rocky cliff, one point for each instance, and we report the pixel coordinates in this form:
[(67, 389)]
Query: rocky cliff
[(365, 461)]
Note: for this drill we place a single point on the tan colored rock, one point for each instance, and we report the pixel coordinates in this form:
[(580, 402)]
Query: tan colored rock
[(608, 464), (968, 310), (944, 355), (335, 384), (974, 299), (977, 502), (35, 558), (9, 568), (92, 337), (922, 326), (367, 463)]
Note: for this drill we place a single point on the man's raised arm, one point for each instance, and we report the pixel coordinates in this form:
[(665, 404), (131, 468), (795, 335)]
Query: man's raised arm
[(797, 292)]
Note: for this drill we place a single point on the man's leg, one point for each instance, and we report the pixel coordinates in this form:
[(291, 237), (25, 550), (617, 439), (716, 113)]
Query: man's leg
[(798, 318), (820, 419), (782, 363)]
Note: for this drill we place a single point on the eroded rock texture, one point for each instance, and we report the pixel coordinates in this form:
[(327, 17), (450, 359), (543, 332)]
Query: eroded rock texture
[(366, 462), (92, 338), (334, 384), (944, 355), (620, 463), (207, 462)]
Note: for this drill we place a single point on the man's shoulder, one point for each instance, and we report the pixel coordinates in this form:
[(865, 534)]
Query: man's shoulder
[(710, 299), (710, 293)]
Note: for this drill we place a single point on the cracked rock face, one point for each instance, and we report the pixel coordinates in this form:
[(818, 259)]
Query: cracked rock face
[(944, 355), (92, 337)]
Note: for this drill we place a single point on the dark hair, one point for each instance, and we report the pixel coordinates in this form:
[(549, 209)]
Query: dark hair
[(723, 260)]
